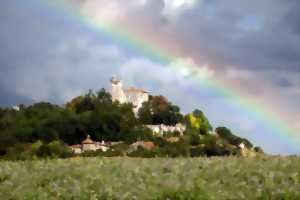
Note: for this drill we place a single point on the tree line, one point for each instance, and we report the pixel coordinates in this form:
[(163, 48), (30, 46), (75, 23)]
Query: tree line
[(50, 127)]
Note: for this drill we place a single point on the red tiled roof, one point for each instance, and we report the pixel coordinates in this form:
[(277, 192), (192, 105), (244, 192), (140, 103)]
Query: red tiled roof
[(131, 89), (88, 140)]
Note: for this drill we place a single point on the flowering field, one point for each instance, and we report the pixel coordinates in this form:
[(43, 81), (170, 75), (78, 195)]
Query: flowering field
[(157, 178)]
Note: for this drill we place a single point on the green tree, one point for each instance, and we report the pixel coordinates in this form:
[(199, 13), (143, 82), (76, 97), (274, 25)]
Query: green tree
[(158, 110), (198, 121), (145, 114), (227, 135)]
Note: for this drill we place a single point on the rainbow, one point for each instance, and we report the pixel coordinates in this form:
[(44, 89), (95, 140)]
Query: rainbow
[(156, 51)]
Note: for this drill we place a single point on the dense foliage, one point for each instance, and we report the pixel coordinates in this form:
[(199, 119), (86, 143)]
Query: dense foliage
[(198, 121), (45, 130), (93, 114), (158, 110), (236, 178), (226, 134)]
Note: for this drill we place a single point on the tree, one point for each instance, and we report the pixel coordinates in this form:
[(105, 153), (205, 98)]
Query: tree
[(145, 114), (226, 134), (198, 121), (103, 96), (158, 110), (258, 149)]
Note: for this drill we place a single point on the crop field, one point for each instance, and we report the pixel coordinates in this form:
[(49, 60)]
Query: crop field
[(158, 178)]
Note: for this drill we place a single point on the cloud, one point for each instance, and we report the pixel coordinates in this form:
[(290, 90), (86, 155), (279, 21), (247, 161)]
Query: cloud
[(250, 46), (176, 72), (278, 92), (71, 69), (175, 7), (104, 11)]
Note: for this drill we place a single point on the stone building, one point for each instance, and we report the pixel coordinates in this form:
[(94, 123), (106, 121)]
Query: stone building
[(128, 95), (137, 97), (89, 145)]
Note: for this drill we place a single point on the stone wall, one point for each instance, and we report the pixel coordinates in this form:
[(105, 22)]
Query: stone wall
[(117, 92)]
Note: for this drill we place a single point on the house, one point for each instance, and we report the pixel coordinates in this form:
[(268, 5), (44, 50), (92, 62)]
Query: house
[(137, 97), (89, 145), (241, 146), (161, 129), (76, 148)]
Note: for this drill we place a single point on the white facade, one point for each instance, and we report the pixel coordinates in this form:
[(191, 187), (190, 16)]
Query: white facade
[(130, 95), (241, 146), (161, 129), (117, 92), (16, 108)]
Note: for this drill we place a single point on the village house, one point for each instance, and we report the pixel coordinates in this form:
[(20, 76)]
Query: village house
[(162, 129), (89, 145)]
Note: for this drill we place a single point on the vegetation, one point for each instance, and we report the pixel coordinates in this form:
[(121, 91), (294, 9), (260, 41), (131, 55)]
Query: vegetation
[(198, 122), (158, 110), (226, 134), (236, 178), (44, 130)]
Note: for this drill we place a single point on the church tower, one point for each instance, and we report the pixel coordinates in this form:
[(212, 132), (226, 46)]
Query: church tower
[(117, 92)]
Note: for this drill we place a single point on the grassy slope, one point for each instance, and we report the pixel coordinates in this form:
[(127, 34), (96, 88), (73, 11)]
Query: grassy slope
[(158, 178)]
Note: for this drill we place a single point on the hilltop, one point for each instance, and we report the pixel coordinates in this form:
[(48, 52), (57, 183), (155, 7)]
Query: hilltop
[(47, 130)]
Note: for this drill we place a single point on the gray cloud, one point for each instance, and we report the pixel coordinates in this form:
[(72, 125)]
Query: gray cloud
[(47, 56), (274, 43), (37, 47)]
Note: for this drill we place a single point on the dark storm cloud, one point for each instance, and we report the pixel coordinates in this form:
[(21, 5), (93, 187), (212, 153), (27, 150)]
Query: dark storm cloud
[(291, 20), (253, 34), (8, 98), (40, 56)]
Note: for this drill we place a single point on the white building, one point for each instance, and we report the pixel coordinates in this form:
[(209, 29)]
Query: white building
[(137, 97), (161, 129), (16, 108), (129, 95)]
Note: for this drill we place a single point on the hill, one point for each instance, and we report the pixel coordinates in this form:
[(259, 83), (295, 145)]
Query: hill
[(47, 130)]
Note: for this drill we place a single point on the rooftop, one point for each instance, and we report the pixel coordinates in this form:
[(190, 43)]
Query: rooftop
[(132, 89), (88, 140)]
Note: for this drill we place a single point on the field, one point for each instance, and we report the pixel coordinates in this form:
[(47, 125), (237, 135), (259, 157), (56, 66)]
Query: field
[(158, 178)]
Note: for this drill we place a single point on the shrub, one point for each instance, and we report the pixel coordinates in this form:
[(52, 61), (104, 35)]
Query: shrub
[(197, 151), (55, 149), (174, 149), (258, 150), (112, 153), (141, 152), (216, 150), (139, 133), (90, 153), (194, 139)]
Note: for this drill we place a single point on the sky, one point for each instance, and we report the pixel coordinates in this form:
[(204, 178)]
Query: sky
[(53, 51)]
